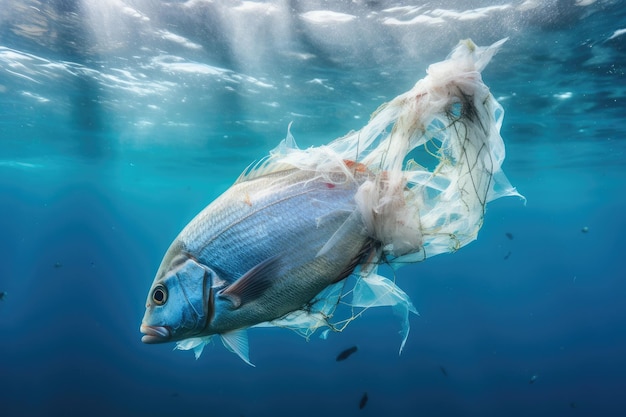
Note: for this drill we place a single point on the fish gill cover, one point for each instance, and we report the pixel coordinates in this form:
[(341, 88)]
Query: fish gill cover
[(450, 122)]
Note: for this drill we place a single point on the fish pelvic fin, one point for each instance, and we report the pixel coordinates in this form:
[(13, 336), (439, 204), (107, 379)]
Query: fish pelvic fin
[(237, 342), (196, 344)]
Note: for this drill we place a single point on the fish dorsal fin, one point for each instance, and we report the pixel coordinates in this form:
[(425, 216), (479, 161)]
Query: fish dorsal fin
[(252, 284), (271, 163), (266, 166), (237, 342), (251, 170)]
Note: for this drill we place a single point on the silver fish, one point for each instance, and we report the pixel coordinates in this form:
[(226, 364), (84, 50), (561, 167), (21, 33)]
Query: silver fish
[(251, 255)]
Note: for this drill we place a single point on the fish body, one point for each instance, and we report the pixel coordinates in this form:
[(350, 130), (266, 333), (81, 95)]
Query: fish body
[(253, 255)]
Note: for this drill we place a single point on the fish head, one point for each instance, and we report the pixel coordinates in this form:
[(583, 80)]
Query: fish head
[(179, 303)]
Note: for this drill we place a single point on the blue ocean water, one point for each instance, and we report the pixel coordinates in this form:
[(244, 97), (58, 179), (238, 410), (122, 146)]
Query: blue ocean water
[(121, 119)]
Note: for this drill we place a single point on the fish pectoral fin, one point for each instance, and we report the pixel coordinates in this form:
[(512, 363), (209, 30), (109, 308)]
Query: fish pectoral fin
[(237, 342), (252, 284)]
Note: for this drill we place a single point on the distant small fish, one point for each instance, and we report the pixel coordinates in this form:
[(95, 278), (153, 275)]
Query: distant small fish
[(363, 401), (507, 255), (509, 235), (532, 379), (346, 353), (3, 295), (443, 370), (57, 265)]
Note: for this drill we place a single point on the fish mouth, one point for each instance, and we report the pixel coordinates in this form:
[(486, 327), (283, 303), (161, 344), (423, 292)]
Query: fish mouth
[(154, 334)]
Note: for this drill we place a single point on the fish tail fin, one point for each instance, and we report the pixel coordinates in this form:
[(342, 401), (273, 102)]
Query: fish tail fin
[(450, 123)]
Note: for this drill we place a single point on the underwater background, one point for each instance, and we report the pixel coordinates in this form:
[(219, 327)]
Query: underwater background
[(122, 119)]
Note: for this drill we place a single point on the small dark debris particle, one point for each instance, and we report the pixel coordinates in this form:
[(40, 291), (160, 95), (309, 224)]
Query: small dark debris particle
[(57, 265), (509, 235), (345, 354), (443, 370), (3, 295), (507, 255), (573, 405), (363, 401)]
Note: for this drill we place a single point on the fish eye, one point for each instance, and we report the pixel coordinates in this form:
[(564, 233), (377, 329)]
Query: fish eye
[(159, 295)]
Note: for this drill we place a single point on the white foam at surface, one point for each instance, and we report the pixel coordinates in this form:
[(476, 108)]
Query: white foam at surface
[(327, 16)]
